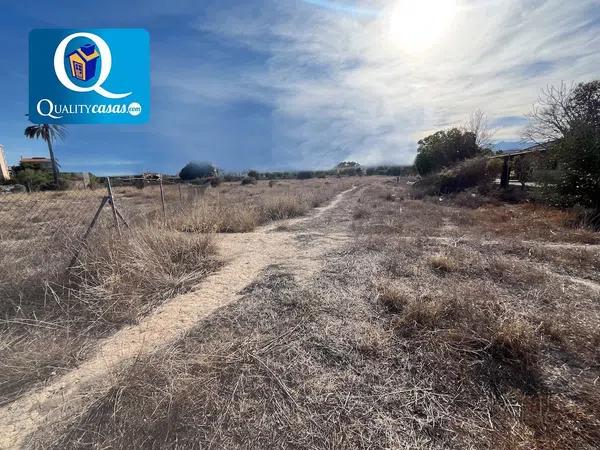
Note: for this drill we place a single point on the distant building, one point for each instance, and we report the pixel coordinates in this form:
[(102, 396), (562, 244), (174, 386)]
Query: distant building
[(151, 176), (37, 162), (4, 170)]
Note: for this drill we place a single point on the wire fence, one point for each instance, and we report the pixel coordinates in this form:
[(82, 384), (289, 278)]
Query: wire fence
[(36, 218)]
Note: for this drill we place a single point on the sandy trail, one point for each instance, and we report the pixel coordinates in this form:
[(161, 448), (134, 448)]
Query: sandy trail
[(246, 255)]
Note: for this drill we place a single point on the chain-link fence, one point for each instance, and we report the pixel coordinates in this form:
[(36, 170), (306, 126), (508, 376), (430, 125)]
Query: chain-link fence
[(144, 199), (37, 219)]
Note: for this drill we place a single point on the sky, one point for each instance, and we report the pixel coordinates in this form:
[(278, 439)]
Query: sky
[(305, 84)]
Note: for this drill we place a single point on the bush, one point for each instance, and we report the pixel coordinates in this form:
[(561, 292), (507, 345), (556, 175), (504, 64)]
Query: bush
[(138, 183), (470, 199), (231, 177), (360, 213), (444, 148), (571, 116), (585, 218), (282, 207), (34, 180), (194, 170), (305, 175), (248, 180), (442, 263), (476, 172), (215, 181), (512, 195)]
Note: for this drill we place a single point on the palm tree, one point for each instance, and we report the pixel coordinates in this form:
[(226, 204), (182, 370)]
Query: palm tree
[(49, 133)]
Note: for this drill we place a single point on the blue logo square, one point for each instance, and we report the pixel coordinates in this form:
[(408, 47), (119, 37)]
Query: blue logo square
[(89, 76)]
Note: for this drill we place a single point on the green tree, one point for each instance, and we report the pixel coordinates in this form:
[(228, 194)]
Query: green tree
[(305, 174), (567, 121), (445, 148), (193, 170), (49, 133), (349, 168), (32, 179)]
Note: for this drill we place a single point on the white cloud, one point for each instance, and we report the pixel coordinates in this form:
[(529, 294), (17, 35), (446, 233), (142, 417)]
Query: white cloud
[(342, 88)]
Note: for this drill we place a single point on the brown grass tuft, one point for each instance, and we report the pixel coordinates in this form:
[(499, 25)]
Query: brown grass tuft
[(442, 263), (393, 296)]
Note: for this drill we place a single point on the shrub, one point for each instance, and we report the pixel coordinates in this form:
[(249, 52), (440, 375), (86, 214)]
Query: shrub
[(305, 175), (469, 199), (360, 213), (585, 218), (138, 183), (248, 180), (445, 148), (215, 181), (570, 117), (194, 170), (282, 207), (476, 172), (512, 195), (442, 263), (394, 297), (230, 177)]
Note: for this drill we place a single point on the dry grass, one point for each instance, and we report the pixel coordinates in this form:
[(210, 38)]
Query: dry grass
[(442, 263), (49, 324), (241, 209), (51, 316), (324, 365), (404, 340)]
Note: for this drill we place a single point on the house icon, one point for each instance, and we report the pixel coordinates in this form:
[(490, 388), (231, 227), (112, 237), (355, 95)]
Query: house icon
[(83, 62)]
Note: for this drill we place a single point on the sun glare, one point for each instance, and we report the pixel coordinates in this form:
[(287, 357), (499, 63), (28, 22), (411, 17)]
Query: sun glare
[(417, 25)]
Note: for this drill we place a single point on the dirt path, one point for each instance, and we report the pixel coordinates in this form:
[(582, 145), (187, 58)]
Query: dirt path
[(298, 247)]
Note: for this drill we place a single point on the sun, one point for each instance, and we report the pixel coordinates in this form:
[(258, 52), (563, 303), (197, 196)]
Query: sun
[(417, 25)]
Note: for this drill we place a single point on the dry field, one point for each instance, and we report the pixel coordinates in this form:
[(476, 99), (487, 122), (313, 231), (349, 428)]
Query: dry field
[(381, 321), (52, 315)]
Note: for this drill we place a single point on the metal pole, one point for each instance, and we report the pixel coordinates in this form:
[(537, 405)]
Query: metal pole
[(162, 199), (111, 200)]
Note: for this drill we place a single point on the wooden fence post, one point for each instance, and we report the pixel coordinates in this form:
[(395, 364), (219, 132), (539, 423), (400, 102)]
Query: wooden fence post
[(162, 199), (116, 216), (111, 200)]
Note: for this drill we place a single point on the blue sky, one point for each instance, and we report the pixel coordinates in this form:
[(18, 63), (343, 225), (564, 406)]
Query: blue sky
[(276, 84)]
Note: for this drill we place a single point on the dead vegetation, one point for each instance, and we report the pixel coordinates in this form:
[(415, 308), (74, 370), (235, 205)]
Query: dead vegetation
[(48, 324), (403, 340), (51, 316), (241, 209)]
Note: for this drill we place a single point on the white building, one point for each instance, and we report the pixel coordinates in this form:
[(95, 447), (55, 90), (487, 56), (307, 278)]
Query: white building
[(4, 172)]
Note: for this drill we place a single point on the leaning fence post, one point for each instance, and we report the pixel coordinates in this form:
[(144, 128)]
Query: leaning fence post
[(111, 199), (162, 199)]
